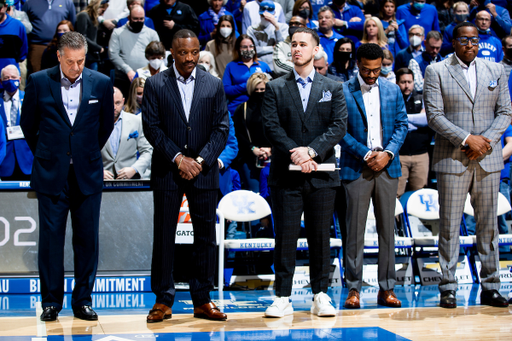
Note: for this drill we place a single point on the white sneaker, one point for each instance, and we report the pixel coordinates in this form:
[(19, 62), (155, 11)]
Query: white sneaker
[(322, 305), (281, 307)]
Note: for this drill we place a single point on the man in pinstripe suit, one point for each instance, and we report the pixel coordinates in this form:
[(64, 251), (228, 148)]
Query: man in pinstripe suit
[(468, 106), (304, 117), (185, 119)]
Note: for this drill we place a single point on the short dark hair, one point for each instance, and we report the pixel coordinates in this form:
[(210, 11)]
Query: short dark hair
[(457, 28), (434, 35), (369, 51), (181, 34), (403, 71), (313, 33), (504, 40), (72, 40)]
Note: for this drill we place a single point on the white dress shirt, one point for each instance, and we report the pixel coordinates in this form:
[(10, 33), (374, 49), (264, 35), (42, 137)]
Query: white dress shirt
[(371, 99), (71, 95), (470, 74), (8, 103)]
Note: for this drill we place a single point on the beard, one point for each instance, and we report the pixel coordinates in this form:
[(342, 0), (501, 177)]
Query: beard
[(303, 63)]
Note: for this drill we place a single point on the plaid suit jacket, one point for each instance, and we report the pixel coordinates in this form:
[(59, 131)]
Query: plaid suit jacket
[(453, 114), (394, 128)]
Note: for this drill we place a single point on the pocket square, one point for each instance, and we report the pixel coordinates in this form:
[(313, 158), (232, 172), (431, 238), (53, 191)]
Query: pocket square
[(133, 135), (493, 84), (326, 96), (92, 101)]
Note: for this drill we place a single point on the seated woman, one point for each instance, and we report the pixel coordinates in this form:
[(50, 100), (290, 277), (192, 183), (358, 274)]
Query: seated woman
[(394, 29), (49, 58), (386, 70), (373, 32), (223, 43), (303, 9), (209, 20), (207, 60), (155, 54), (344, 60), (134, 100)]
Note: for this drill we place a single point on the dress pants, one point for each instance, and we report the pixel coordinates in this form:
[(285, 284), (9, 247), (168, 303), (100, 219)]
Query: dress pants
[(381, 188), (202, 204), (287, 207), (85, 215)]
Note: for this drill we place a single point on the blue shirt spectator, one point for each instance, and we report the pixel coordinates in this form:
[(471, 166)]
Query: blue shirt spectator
[(349, 29), (149, 4), (13, 42), (447, 46), (398, 40), (490, 48), (329, 42), (500, 22), (209, 20), (3, 141), (147, 22), (425, 16)]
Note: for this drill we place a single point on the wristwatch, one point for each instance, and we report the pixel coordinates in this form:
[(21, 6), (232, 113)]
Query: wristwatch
[(199, 160), (311, 152)]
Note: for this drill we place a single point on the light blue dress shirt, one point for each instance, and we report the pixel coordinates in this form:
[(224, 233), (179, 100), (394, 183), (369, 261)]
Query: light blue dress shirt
[(71, 95), (186, 87), (304, 86), (115, 136)]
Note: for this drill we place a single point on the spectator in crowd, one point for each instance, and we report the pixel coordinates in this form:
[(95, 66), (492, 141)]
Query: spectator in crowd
[(416, 37), (254, 148), (460, 14), (289, 104), (287, 6), (371, 8), (13, 39), (223, 43), (267, 33), (252, 15), (386, 71), (244, 64), (49, 58), (417, 12), (468, 156), (489, 47), (344, 62), (302, 8), (506, 43), (328, 37), (414, 152), (237, 8), (127, 153), (17, 164), (124, 19), (373, 32), (282, 56), (209, 20), (170, 16), (394, 29), (349, 20), (155, 54), (3, 142), (501, 24), (45, 17), (127, 48), (444, 13), (18, 14), (80, 5), (87, 23), (370, 168), (321, 64), (225, 159), (316, 5), (134, 100), (506, 144), (431, 55), (207, 61)]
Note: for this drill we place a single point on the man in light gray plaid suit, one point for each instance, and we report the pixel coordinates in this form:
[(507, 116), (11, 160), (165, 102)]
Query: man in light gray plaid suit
[(468, 105)]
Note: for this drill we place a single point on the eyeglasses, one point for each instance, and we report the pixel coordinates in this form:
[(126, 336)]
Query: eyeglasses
[(465, 40), (367, 72)]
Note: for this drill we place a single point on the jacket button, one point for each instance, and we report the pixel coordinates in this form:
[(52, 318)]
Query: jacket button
[(186, 146), (72, 134), (68, 153), (366, 130), (189, 128)]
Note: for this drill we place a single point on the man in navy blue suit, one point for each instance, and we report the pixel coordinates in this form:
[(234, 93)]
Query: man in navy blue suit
[(17, 164), (67, 118), (186, 121)]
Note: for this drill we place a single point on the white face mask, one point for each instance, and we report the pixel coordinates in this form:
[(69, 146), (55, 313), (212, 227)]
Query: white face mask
[(156, 63), (226, 31), (415, 41), (206, 66)]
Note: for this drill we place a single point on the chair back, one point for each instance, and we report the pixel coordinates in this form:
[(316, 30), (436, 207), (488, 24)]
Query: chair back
[(244, 206)]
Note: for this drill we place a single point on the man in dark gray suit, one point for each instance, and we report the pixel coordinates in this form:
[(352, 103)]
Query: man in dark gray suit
[(185, 119), (304, 116)]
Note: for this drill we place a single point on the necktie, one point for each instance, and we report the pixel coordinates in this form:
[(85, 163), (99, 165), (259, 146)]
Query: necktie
[(303, 82), (14, 112)]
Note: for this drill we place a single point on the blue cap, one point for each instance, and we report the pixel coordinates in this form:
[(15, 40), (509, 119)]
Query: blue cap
[(267, 6), (8, 2)]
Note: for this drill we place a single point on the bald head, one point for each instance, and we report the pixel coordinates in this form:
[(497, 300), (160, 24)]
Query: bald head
[(118, 103), (483, 20)]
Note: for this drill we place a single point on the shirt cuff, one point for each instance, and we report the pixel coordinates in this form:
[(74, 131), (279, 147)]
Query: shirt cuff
[(221, 163), (365, 158), (390, 152), (464, 141), (175, 156)]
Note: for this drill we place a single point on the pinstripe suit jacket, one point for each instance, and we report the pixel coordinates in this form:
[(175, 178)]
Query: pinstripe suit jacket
[(394, 128), (168, 131), (453, 114), (287, 126)]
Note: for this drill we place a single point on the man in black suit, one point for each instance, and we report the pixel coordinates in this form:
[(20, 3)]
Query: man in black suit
[(304, 117), (186, 121), (67, 116)]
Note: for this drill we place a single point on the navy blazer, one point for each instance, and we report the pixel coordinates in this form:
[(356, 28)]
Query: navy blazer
[(168, 131), (54, 141), (394, 128), (16, 150)]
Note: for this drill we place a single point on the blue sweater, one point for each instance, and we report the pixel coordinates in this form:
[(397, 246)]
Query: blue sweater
[(328, 43), (355, 29), (401, 37), (489, 48), (235, 81), (44, 19), (427, 18), (13, 42), (207, 26)]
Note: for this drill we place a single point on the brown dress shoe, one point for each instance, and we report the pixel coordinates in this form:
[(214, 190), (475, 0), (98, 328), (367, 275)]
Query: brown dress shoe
[(159, 313), (388, 298), (352, 301), (209, 311)]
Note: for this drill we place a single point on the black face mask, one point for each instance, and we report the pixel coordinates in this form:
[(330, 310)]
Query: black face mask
[(344, 56), (136, 26), (304, 13), (291, 30), (339, 2), (257, 97)]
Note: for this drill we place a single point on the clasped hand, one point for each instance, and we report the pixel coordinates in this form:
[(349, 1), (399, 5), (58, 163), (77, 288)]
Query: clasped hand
[(188, 167), (378, 160), (478, 145), (300, 157)]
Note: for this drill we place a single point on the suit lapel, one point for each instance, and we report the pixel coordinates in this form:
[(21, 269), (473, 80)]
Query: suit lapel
[(482, 78), (456, 72), (87, 84), (355, 89), (172, 85), (291, 84), (314, 96), (54, 81)]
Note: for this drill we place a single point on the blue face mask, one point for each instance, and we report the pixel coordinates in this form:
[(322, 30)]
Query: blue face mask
[(487, 31), (386, 69), (11, 85), (419, 5)]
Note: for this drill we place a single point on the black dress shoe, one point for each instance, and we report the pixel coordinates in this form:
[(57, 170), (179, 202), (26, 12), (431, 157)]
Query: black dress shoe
[(49, 314), (85, 312), (448, 299), (493, 298)]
